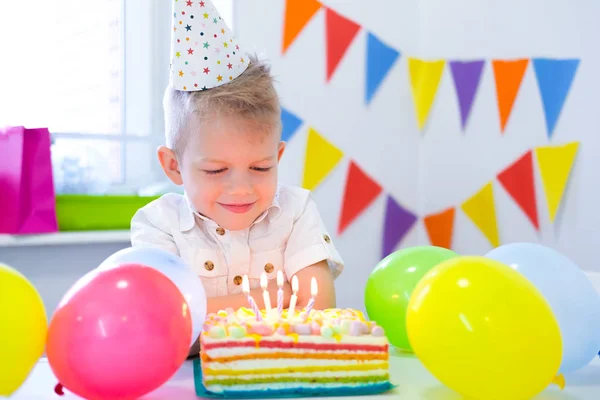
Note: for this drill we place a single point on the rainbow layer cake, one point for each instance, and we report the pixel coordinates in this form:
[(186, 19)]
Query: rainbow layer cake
[(331, 351)]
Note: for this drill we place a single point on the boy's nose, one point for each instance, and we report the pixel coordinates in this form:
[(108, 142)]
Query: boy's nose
[(240, 185)]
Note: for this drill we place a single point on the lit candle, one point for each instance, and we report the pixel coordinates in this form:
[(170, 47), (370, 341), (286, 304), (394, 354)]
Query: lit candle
[(266, 298), (294, 298), (246, 290), (279, 293), (313, 292)]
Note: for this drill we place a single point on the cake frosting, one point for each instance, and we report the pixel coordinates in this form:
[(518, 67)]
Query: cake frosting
[(322, 351)]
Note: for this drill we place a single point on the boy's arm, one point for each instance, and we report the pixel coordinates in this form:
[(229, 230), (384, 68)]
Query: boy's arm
[(326, 290)]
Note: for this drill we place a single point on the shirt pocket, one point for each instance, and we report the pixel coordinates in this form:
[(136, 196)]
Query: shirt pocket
[(210, 266), (267, 262)]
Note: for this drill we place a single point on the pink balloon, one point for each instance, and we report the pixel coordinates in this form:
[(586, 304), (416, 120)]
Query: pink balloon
[(119, 333)]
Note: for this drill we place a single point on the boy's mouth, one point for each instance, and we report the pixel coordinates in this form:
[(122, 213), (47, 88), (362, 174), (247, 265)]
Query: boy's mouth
[(238, 208)]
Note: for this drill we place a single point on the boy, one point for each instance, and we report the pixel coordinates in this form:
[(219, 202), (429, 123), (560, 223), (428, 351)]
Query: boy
[(223, 145)]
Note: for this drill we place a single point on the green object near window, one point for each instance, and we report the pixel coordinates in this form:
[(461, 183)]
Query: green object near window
[(96, 213)]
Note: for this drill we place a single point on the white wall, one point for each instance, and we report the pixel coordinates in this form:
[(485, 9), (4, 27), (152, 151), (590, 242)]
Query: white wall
[(442, 166)]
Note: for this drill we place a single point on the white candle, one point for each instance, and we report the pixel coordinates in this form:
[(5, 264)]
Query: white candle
[(294, 297), (266, 298), (246, 290), (279, 293), (314, 290)]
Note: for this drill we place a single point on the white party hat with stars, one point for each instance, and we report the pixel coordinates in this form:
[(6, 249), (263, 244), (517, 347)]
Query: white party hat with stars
[(204, 52)]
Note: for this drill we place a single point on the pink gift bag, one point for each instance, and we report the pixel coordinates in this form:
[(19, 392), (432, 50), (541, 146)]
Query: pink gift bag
[(27, 198)]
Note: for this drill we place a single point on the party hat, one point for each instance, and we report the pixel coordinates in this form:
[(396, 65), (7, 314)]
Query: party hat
[(204, 52)]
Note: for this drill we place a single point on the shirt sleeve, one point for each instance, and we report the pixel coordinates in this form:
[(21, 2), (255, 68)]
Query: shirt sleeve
[(310, 243), (145, 231)]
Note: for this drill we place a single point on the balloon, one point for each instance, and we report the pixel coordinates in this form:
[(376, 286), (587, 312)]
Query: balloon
[(176, 270), (119, 333), (23, 328), (391, 283), (574, 301), (484, 330)]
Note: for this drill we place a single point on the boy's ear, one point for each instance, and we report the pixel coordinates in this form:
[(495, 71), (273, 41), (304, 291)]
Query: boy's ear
[(168, 162), (280, 150)]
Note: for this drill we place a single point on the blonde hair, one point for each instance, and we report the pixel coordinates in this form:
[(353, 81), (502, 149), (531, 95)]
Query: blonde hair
[(251, 96)]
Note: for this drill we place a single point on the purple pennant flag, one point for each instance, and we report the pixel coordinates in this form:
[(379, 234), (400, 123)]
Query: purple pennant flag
[(466, 76), (398, 222)]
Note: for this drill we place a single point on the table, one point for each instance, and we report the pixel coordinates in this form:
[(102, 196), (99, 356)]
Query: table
[(413, 380)]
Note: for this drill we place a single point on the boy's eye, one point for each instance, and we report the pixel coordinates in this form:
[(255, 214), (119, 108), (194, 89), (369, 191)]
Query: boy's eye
[(215, 171), (261, 169)]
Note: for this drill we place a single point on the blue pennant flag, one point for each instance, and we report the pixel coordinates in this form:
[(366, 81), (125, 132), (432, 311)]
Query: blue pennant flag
[(380, 59), (554, 77), (290, 123)]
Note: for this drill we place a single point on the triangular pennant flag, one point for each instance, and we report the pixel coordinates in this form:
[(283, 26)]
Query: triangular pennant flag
[(360, 191), (555, 163), (340, 33), (398, 222), (508, 76), (466, 76), (380, 59), (518, 181), (297, 15), (321, 158), (440, 227), (290, 123), (554, 78), (480, 208), (424, 78)]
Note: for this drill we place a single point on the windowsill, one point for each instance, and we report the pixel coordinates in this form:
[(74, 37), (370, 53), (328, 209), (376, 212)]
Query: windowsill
[(65, 238)]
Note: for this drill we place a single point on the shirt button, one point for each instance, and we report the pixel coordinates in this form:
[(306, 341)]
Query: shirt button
[(269, 268), (327, 238), (220, 231), (209, 265), (237, 280)]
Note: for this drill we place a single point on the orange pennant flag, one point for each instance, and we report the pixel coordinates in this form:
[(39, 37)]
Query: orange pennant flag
[(508, 76), (480, 208), (439, 228), (297, 15), (555, 163)]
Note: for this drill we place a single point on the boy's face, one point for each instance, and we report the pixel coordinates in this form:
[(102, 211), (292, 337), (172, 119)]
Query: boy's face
[(229, 170)]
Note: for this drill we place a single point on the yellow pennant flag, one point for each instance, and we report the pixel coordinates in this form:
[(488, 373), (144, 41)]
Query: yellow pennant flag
[(321, 158), (481, 210), (424, 79), (555, 164)]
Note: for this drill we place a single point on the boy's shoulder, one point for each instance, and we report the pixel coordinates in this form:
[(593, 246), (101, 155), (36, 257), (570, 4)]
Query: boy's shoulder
[(295, 200), (165, 208)]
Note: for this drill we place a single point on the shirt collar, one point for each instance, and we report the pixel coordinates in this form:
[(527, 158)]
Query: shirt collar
[(187, 214)]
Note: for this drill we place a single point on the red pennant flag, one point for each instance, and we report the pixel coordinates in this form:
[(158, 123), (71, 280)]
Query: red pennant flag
[(518, 181), (360, 191), (297, 15), (340, 33), (439, 228)]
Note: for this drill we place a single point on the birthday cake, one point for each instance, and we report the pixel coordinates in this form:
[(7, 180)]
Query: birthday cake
[(331, 351)]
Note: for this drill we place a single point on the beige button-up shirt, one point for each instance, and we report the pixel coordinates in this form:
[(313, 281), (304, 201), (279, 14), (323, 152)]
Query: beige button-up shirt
[(288, 236)]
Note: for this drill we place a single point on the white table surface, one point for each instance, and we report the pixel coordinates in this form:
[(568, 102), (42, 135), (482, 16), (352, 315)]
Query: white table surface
[(413, 380)]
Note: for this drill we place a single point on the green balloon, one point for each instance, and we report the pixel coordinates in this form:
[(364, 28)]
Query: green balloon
[(390, 286)]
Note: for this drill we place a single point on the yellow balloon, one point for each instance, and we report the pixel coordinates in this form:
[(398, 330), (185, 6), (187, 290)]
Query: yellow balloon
[(23, 329), (484, 330)]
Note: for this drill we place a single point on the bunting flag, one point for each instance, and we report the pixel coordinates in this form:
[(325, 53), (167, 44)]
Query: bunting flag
[(320, 159), (380, 59), (424, 78), (481, 209), (518, 181), (439, 227), (554, 78), (290, 123), (340, 33), (297, 15), (398, 222), (508, 76), (360, 191), (555, 163), (466, 76)]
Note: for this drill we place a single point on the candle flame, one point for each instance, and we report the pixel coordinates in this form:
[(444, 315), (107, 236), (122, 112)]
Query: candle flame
[(279, 278), (263, 281), (295, 284), (245, 285), (313, 287)]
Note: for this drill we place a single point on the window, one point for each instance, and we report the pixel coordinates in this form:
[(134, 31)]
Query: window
[(94, 74)]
